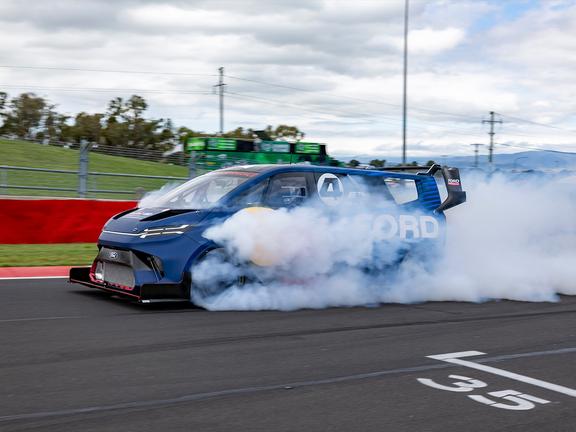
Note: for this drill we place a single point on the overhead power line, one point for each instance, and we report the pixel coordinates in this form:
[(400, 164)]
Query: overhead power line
[(353, 115), (538, 149), (105, 70), (352, 98), (103, 90), (536, 123)]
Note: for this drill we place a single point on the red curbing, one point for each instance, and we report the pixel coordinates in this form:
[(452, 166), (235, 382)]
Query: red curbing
[(34, 272)]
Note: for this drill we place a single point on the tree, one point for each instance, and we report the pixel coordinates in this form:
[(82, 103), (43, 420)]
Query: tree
[(55, 126), (115, 110), (25, 114), (378, 163), (353, 163), (148, 137), (133, 109), (166, 135), (3, 98), (115, 133), (183, 134), (289, 133), (88, 127), (430, 163), (126, 126), (239, 132)]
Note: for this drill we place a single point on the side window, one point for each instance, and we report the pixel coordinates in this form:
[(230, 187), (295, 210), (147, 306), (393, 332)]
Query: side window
[(371, 187), (287, 190), (252, 197), (403, 190)]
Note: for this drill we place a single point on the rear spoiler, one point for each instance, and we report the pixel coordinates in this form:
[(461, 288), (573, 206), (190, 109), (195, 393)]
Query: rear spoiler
[(456, 195)]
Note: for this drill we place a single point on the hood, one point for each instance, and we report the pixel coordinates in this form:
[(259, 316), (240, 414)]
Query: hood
[(138, 219)]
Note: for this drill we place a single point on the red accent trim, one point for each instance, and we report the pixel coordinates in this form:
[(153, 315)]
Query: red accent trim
[(122, 287), (42, 221), (92, 271), (106, 288)]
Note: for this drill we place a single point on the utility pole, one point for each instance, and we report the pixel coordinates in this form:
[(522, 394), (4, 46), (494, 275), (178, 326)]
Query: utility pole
[(220, 86), (405, 75), (476, 154), (491, 133)]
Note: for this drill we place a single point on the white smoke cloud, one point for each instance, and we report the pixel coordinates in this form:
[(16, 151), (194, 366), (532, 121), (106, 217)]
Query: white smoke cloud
[(511, 240)]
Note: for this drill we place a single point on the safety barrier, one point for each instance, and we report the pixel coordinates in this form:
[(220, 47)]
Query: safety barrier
[(36, 221)]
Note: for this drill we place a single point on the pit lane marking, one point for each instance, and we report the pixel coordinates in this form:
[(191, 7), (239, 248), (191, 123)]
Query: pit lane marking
[(456, 358)]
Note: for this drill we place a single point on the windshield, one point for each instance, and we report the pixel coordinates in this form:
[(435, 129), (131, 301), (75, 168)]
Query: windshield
[(204, 191)]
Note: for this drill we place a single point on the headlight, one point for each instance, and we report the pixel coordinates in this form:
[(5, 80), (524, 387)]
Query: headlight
[(168, 230)]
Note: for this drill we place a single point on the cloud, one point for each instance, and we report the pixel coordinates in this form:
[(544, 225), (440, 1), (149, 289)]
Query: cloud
[(466, 57), (430, 41)]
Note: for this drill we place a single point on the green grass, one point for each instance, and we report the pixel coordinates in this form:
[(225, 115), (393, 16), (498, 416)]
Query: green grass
[(81, 254), (25, 154)]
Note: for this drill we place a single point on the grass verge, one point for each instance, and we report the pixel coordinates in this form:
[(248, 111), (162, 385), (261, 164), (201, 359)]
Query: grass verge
[(29, 255)]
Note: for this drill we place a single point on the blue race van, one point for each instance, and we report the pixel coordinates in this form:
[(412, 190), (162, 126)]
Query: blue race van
[(146, 254)]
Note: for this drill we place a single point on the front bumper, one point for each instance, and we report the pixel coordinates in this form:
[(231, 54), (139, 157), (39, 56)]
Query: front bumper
[(145, 293)]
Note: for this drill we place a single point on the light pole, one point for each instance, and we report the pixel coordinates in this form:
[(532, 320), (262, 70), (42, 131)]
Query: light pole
[(405, 82)]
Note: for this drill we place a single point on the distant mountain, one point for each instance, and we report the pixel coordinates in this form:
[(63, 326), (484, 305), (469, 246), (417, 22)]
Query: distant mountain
[(522, 160)]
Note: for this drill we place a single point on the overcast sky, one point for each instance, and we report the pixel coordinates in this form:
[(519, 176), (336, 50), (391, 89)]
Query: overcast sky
[(331, 67)]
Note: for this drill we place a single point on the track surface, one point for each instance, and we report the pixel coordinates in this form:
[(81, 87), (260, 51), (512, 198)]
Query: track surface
[(72, 359)]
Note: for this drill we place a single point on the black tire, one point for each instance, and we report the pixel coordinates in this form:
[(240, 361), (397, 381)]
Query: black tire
[(213, 274)]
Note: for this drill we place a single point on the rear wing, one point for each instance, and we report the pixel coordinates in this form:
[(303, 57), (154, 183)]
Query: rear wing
[(456, 195)]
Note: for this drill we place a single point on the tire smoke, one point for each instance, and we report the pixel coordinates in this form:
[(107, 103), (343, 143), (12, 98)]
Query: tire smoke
[(512, 240)]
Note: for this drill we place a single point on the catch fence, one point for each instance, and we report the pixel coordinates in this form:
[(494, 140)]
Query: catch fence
[(88, 171)]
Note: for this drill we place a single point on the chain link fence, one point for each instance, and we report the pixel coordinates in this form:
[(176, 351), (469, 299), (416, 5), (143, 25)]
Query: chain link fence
[(85, 170)]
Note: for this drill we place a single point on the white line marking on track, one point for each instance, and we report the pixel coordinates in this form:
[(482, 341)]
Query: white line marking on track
[(455, 358), (38, 319), (138, 404)]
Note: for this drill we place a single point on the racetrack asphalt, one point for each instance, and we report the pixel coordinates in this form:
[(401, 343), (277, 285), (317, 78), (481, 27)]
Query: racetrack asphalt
[(74, 359)]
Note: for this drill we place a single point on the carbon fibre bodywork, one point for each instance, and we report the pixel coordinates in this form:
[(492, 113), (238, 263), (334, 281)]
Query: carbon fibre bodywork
[(146, 254)]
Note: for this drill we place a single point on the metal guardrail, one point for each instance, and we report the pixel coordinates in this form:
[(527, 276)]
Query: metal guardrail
[(82, 190), (136, 176), (9, 167)]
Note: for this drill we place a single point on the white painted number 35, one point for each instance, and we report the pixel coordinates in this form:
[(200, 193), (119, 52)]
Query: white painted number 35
[(505, 399)]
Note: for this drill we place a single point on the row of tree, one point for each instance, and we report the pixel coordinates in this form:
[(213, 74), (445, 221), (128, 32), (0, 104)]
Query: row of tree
[(29, 116), (123, 124)]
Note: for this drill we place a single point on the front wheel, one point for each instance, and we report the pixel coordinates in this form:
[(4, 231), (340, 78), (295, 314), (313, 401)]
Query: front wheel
[(215, 273)]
